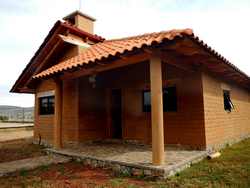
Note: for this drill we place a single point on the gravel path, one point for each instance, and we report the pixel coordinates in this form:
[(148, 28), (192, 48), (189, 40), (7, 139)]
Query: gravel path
[(31, 163)]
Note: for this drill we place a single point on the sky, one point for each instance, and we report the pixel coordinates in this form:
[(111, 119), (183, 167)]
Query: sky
[(223, 24)]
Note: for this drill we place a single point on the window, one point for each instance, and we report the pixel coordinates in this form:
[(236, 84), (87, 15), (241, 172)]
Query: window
[(169, 100), (46, 105), (228, 105)]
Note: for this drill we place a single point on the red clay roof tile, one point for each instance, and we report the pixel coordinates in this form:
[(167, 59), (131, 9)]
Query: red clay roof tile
[(112, 48)]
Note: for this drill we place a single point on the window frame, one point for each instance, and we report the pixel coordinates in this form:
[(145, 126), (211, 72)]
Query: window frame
[(228, 104), (49, 109)]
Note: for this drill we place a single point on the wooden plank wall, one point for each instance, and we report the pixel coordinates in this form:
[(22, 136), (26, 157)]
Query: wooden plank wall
[(85, 114), (223, 127)]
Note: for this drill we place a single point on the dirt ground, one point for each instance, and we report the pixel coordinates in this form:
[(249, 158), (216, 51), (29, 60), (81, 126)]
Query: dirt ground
[(70, 175), (19, 149)]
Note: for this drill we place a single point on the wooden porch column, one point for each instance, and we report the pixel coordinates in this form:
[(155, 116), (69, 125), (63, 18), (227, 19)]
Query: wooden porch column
[(156, 111), (58, 115)]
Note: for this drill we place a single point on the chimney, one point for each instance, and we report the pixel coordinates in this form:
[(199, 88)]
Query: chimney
[(81, 21)]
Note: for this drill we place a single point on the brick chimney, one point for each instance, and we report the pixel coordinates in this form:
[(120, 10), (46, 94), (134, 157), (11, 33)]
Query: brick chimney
[(81, 21)]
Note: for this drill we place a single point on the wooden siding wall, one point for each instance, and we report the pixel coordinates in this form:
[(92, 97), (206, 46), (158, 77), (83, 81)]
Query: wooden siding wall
[(80, 99), (70, 113), (44, 124), (223, 127), (186, 126), (92, 111)]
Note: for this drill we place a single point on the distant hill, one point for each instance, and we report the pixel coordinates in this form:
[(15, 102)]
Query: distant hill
[(16, 113)]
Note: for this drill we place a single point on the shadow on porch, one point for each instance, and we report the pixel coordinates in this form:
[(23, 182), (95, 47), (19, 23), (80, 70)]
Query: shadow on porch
[(130, 158)]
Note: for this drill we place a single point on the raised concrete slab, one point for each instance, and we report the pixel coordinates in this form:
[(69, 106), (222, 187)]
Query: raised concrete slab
[(30, 164), (6, 136), (7, 125), (132, 159), (14, 131)]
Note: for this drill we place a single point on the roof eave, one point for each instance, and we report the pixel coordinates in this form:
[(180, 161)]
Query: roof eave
[(22, 90), (15, 88), (193, 38)]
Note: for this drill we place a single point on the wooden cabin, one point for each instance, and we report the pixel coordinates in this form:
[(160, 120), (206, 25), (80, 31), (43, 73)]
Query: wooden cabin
[(165, 88)]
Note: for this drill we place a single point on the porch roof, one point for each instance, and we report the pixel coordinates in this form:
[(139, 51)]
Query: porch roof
[(109, 49)]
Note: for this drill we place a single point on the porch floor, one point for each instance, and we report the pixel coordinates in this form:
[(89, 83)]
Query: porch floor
[(134, 155)]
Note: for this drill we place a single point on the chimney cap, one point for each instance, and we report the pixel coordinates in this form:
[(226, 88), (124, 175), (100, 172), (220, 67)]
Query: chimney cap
[(77, 12)]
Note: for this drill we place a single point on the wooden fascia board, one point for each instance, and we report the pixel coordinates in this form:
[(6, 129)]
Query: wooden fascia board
[(29, 67), (167, 58), (81, 33), (43, 62), (26, 90), (48, 55), (125, 61), (108, 66)]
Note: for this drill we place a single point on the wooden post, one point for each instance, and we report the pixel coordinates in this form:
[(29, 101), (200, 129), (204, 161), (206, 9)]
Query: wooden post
[(157, 111), (58, 115)]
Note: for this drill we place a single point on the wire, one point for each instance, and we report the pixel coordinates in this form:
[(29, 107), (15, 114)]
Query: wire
[(80, 5)]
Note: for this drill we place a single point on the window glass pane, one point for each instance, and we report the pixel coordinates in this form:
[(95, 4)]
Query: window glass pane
[(169, 99), (228, 105), (46, 105), (51, 105), (146, 101), (44, 102), (51, 99)]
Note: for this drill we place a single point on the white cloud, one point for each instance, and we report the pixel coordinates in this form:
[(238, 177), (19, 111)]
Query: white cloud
[(222, 24)]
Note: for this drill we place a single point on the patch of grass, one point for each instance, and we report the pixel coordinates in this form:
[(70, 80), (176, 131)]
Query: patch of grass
[(132, 186), (24, 173), (19, 150), (232, 169), (121, 183), (61, 169), (116, 182), (44, 168)]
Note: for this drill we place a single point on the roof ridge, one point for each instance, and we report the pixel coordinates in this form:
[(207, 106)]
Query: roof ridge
[(68, 24), (188, 31)]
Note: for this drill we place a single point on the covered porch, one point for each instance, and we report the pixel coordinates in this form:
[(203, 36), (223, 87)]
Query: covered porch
[(130, 158), (110, 104), (121, 96)]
